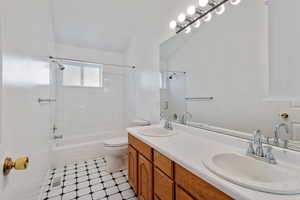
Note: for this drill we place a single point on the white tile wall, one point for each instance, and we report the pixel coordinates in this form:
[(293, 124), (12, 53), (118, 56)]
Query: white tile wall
[(92, 111)]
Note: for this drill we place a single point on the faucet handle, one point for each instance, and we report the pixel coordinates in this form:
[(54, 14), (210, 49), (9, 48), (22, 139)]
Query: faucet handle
[(168, 125), (257, 138), (250, 150), (268, 139), (269, 155), (257, 133)]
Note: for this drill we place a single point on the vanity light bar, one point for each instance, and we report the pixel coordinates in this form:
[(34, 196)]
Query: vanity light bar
[(196, 14)]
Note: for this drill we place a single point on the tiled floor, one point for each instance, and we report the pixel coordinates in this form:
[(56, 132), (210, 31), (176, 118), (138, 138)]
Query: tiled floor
[(87, 180)]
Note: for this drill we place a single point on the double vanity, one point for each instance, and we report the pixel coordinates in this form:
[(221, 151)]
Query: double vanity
[(189, 163)]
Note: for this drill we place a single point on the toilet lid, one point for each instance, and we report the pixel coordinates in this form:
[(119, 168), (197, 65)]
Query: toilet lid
[(116, 142)]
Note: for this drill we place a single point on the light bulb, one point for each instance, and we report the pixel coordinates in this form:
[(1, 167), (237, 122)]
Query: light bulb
[(188, 30), (208, 17), (235, 2), (173, 24), (220, 10), (197, 23), (191, 10), (181, 18), (203, 3)]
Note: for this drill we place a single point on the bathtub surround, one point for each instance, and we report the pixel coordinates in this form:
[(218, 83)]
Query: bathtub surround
[(87, 180), (84, 147), (96, 110)]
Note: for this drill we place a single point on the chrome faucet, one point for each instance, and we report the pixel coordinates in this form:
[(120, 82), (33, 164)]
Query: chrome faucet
[(56, 136), (277, 132), (258, 152), (168, 125), (185, 117)]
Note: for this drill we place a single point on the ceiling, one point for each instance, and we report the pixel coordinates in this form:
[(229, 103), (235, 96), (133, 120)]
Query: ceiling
[(97, 24)]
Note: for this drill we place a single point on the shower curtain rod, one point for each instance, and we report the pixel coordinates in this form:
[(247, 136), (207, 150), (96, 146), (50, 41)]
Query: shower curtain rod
[(89, 62), (182, 72)]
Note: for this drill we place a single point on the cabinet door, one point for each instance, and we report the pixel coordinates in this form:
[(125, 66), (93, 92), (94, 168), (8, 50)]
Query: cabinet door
[(133, 168), (163, 185), (145, 179), (182, 195)]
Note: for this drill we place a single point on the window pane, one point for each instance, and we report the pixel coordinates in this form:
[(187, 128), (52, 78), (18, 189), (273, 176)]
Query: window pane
[(72, 76), (92, 76)]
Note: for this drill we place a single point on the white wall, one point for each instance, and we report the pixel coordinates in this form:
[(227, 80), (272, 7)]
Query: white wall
[(284, 48), (227, 58), (153, 29), (143, 51), (1, 145), (284, 57), (26, 38), (176, 89), (68, 51)]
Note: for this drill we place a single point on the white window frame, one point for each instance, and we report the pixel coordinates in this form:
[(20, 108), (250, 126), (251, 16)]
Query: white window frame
[(82, 66)]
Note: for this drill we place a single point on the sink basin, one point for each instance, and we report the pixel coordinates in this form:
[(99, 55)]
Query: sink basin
[(157, 132), (254, 174)]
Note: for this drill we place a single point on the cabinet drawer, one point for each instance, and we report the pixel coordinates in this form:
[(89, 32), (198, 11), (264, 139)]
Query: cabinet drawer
[(140, 146), (197, 187), (163, 163), (163, 185), (182, 195)]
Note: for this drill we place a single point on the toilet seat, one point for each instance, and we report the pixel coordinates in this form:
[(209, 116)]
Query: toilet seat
[(116, 142)]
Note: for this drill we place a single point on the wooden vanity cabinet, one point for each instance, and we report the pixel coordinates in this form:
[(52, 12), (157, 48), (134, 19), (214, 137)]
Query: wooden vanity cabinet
[(145, 179), (154, 176), (182, 195), (163, 185), (141, 177), (133, 168)]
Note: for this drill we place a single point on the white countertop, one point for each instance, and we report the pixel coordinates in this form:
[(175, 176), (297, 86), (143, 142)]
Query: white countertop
[(190, 146)]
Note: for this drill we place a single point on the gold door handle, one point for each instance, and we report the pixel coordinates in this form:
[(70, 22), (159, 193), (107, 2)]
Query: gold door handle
[(19, 164)]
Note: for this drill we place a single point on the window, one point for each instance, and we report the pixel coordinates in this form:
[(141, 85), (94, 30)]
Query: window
[(92, 76), (72, 76), (82, 75)]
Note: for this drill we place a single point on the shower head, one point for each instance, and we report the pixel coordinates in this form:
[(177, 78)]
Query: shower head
[(171, 76), (60, 66)]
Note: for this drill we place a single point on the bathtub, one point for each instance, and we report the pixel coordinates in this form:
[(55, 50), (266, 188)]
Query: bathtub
[(79, 148)]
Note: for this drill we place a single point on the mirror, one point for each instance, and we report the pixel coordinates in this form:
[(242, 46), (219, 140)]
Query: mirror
[(224, 76)]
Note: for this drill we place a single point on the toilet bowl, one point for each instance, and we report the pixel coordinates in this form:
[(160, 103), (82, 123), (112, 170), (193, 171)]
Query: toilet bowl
[(116, 153)]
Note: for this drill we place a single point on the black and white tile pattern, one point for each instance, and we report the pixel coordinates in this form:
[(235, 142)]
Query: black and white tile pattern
[(87, 180)]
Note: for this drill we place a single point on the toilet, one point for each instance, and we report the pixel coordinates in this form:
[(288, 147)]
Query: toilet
[(116, 153), (116, 150)]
